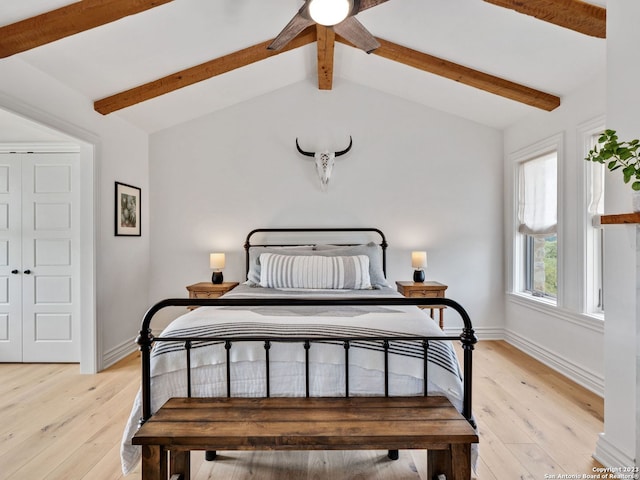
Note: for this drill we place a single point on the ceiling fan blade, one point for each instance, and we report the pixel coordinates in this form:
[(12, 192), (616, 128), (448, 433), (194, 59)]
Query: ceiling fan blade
[(297, 24), (365, 4), (353, 31)]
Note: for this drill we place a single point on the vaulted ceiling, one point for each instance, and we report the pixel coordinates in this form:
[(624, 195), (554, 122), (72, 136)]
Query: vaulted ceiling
[(157, 63)]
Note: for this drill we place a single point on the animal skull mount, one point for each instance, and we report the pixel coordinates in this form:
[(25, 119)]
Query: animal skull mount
[(324, 162)]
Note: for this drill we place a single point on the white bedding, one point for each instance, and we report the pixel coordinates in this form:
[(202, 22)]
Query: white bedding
[(287, 367)]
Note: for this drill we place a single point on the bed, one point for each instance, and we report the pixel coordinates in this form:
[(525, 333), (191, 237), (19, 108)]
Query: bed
[(315, 318)]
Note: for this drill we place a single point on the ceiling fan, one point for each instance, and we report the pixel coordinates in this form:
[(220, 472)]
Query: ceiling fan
[(338, 14)]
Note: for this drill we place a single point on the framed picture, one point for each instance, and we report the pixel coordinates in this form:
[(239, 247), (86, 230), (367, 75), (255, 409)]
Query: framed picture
[(127, 210)]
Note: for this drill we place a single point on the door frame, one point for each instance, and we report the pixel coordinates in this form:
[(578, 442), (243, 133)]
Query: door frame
[(88, 145)]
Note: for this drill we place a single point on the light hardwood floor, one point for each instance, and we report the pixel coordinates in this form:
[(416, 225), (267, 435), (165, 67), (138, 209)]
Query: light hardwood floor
[(58, 424)]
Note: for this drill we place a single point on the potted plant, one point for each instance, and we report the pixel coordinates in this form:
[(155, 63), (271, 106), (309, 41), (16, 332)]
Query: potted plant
[(616, 155)]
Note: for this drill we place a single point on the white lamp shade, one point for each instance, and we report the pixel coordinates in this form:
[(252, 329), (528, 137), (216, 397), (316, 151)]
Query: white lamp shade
[(216, 261), (419, 260), (329, 12)]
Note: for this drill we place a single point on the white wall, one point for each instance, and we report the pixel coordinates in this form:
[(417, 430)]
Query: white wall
[(620, 442), (121, 154), (613, 354), (560, 336), (429, 180)]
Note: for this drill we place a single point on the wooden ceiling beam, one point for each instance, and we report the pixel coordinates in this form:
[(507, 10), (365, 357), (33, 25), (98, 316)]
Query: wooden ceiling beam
[(468, 76), (326, 45), (576, 15), (66, 21), (198, 73)]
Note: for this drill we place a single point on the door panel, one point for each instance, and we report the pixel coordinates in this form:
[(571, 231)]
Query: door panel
[(52, 216), (4, 327), (6, 351), (52, 178), (4, 252), (39, 257), (52, 290), (10, 259), (50, 250), (53, 327)]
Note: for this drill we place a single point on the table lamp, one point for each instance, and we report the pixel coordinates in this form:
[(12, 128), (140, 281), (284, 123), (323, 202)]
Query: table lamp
[(419, 263), (216, 262)]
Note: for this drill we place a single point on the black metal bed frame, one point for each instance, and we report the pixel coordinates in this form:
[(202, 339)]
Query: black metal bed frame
[(146, 339), (247, 244)]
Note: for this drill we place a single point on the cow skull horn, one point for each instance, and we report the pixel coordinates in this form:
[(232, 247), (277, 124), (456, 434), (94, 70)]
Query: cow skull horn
[(308, 154), (342, 152)]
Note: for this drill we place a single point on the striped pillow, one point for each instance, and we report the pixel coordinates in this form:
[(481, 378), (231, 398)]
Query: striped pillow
[(297, 271)]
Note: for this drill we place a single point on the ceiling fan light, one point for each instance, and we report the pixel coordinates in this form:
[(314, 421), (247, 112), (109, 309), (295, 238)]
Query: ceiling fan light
[(329, 12)]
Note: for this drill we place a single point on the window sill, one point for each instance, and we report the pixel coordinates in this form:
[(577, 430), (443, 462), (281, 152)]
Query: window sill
[(592, 322), (596, 317), (528, 299)]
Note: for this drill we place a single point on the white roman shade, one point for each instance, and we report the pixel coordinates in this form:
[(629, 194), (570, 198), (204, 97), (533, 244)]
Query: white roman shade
[(538, 196), (595, 192)]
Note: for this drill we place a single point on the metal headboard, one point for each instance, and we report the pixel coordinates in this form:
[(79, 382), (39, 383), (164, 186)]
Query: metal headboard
[(247, 244)]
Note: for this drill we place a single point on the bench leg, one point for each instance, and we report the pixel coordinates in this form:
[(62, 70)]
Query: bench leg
[(180, 464), (154, 462), (210, 455), (439, 463), (393, 455), (461, 461), (454, 463)]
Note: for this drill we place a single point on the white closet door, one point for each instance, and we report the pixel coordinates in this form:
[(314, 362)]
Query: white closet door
[(50, 257), (10, 259), (40, 276)]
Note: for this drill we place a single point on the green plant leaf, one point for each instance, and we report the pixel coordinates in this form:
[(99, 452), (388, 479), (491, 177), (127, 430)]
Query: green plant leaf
[(625, 154), (616, 154)]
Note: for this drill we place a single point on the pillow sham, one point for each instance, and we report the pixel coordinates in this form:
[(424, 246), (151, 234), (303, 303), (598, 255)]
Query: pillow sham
[(371, 250), (314, 272), (253, 275)]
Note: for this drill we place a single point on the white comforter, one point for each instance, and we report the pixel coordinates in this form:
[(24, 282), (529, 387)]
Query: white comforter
[(287, 370)]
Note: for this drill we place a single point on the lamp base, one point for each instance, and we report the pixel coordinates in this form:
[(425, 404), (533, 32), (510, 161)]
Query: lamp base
[(216, 277), (418, 276)]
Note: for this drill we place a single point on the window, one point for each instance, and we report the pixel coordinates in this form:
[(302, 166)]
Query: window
[(537, 224), (541, 265), (594, 235)]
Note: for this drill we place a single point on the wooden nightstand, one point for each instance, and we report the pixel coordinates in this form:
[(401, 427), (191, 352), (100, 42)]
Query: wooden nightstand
[(425, 290), (209, 290)]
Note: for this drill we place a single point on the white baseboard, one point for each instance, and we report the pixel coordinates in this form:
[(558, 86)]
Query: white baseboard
[(609, 455), (483, 333), (118, 353), (582, 376)]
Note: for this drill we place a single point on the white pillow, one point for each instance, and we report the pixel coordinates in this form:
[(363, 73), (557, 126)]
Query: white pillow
[(314, 272), (372, 250), (253, 274)]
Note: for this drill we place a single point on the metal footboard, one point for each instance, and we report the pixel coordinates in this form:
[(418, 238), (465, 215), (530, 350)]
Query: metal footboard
[(146, 340)]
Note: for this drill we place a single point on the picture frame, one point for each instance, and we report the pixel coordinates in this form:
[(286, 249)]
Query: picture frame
[(127, 210)]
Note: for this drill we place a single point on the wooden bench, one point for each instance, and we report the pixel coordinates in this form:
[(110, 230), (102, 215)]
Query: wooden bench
[(355, 423)]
